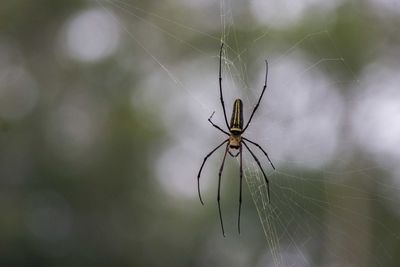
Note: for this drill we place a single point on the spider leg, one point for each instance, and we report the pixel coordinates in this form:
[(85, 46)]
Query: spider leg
[(265, 153), (240, 190), (234, 156), (219, 188), (220, 86), (259, 165), (259, 100), (216, 126), (202, 165)]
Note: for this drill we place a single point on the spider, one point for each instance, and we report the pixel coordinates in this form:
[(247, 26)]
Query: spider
[(234, 142)]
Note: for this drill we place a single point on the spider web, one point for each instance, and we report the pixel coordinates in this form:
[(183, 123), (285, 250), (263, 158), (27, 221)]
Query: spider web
[(345, 192), (327, 205)]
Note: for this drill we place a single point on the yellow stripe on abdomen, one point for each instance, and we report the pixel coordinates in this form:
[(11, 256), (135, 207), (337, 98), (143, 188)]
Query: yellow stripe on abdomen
[(237, 116)]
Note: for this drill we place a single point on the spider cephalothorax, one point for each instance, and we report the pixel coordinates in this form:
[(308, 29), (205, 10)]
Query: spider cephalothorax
[(235, 141)]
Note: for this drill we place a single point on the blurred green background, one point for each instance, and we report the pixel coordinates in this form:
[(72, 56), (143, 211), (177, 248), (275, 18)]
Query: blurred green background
[(103, 126)]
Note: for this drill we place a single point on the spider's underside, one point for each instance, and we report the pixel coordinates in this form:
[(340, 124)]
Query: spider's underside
[(235, 141)]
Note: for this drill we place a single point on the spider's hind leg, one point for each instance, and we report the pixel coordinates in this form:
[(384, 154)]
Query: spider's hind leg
[(240, 187), (219, 188), (259, 165), (201, 168)]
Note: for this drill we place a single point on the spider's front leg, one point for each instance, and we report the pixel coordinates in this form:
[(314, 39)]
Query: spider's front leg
[(259, 100), (221, 97)]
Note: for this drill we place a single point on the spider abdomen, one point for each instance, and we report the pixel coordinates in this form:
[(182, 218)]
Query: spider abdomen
[(236, 126)]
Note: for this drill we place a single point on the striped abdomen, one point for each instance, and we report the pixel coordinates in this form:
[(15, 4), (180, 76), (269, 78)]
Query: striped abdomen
[(236, 126)]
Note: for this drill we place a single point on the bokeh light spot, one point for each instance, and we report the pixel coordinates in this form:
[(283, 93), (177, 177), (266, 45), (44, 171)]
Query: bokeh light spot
[(91, 35)]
